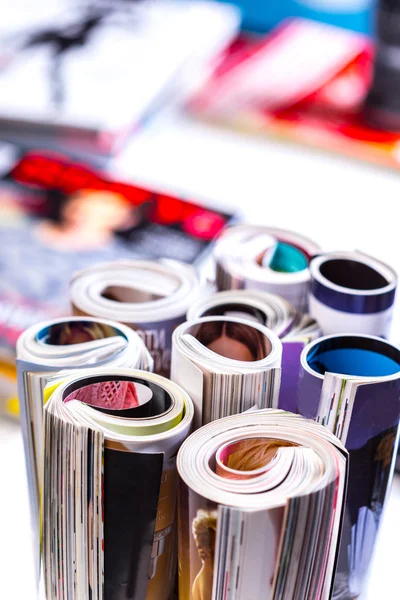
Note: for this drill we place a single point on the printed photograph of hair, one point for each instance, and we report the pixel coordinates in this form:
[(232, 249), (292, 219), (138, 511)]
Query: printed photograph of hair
[(253, 453), (237, 341), (204, 530), (78, 332)]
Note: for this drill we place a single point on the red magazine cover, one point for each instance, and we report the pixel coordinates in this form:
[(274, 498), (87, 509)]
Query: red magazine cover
[(59, 215)]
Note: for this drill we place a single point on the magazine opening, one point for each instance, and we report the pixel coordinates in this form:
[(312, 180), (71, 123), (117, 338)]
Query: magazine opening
[(354, 355), (76, 332), (248, 457), (129, 294), (352, 274), (238, 310), (232, 339), (126, 397)]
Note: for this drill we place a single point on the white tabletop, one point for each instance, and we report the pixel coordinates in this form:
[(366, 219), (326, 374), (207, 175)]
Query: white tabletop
[(339, 203)]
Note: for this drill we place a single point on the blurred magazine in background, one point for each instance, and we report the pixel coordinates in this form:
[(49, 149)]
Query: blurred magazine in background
[(306, 82), (85, 75), (59, 215)]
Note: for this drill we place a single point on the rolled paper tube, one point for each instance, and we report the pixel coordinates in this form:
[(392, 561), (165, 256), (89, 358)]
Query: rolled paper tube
[(245, 531), (117, 469), (352, 293), (246, 258), (64, 345), (294, 328), (351, 385), (227, 365), (151, 297)]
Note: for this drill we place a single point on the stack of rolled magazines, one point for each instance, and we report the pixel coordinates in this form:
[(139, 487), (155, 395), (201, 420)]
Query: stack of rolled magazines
[(207, 453)]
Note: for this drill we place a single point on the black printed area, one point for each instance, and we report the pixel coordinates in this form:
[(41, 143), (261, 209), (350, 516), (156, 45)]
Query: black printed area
[(352, 274), (159, 403), (131, 492)]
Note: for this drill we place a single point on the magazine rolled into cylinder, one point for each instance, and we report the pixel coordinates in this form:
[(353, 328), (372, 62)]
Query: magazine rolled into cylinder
[(152, 297), (270, 310), (260, 508), (110, 485), (265, 258), (294, 328), (227, 365), (352, 293), (351, 384), (65, 345)]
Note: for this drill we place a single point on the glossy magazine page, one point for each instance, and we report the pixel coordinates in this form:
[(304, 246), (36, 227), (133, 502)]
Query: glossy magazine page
[(351, 385), (152, 297), (227, 365), (294, 328), (260, 508), (116, 535), (45, 352), (267, 259), (351, 291)]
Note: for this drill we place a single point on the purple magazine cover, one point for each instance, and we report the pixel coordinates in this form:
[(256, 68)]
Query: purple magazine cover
[(372, 442), (291, 352)]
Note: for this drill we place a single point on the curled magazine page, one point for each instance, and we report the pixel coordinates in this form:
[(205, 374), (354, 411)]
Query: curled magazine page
[(191, 378), (352, 292), (78, 341), (271, 310), (294, 328), (265, 258), (260, 508), (115, 485), (351, 385), (265, 308), (237, 360), (151, 297), (43, 351)]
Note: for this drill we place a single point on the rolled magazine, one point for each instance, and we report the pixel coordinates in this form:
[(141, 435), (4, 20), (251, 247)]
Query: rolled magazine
[(63, 346), (351, 385), (260, 508), (270, 310), (265, 258), (295, 329), (110, 484), (227, 365), (352, 292), (152, 297)]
